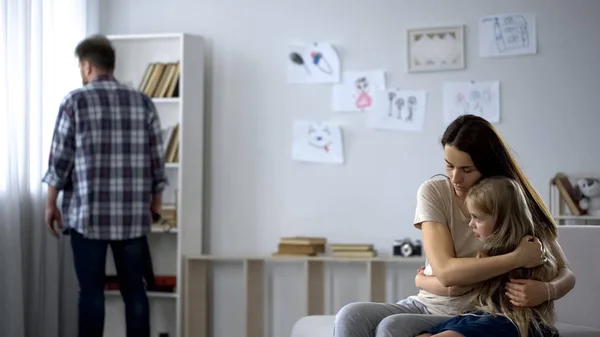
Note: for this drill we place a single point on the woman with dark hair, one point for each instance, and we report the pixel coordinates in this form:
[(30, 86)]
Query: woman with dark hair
[(473, 151), (500, 218)]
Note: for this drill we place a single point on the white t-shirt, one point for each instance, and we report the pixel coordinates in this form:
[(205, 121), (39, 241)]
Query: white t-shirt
[(436, 202)]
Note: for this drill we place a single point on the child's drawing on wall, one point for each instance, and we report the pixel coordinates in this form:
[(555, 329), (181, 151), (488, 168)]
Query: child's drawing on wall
[(317, 142), (355, 92), (475, 98), (363, 98)]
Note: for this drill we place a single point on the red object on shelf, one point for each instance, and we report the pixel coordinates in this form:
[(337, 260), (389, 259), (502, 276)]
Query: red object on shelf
[(162, 283)]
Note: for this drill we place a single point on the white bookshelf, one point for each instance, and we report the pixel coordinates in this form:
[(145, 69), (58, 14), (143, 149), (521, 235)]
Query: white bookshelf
[(168, 246), (561, 213)]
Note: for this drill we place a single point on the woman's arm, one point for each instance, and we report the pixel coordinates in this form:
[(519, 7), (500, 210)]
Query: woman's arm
[(565, 281), (531, 293), (432, 285), (453, 271)]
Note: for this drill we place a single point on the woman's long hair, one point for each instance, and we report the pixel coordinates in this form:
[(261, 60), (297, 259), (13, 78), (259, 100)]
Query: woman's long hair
[(490, 154), (504, 199)]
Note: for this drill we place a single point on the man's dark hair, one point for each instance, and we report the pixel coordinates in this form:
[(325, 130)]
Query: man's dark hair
[(98, 51)]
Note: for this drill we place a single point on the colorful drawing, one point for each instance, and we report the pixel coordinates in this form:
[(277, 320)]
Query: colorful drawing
[(313, 63), (363, 99), (480, 99), (317, 142), (509, 34), (355, 93), (320, 62), (401, 110)]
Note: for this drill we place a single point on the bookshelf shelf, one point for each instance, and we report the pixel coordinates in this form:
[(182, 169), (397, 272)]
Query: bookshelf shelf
[(160, 230), (166, 100), (560, 209), (141, 37), (151, 294), (178, 90), (576, 217), (197, 282)]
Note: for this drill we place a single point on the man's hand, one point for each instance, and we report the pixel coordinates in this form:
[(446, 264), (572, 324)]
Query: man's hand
[(156, 206), (53, 219)]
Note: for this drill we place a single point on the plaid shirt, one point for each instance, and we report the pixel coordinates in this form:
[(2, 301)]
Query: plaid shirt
[(107, 158)]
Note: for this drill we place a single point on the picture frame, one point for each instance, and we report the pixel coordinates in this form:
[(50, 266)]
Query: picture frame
[(435, 49)]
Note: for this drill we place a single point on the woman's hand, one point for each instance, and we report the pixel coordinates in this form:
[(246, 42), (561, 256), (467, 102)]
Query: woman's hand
[(529, 253), (420, 274), (527, 293)]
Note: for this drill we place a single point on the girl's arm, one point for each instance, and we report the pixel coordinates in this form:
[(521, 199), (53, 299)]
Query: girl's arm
[(453, 271), (565, 281), (432, 285)]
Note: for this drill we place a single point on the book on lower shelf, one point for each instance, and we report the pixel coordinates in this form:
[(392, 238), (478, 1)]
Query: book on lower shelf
[(567, 190), (300, 246), (167, 222), (170, 138), (353, 250)]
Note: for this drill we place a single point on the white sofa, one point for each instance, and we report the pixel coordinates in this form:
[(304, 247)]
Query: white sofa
[(322, 326)]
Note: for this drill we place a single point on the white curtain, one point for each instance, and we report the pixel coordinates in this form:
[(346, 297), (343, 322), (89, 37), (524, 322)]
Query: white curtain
[(37, 68)]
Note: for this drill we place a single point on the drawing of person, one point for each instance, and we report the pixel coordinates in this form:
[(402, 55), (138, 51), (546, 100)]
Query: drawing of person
[(363, 100), (476, 98)]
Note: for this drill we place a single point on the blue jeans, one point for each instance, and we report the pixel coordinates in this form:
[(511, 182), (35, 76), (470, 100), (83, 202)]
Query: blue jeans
[(90, 263)]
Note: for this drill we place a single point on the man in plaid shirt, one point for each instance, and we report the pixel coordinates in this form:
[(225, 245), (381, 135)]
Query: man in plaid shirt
[(107, 158)]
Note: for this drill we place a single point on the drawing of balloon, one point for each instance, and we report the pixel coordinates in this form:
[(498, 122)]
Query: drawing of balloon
[(297, 59)]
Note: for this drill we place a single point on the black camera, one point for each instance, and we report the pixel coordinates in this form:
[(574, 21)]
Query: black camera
[(408, 248)]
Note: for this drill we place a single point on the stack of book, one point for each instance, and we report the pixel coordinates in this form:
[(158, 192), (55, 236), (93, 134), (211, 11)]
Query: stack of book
[(300, 246), (161, 80), (170, 138), (568, 194), (169, 215), (353, 250)]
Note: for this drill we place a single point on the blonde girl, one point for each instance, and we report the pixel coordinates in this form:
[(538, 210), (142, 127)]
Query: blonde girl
[(500, 218)]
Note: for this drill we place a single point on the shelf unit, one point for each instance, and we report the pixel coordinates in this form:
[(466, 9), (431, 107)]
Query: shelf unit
[(560, 211), (197, 302), (167, 246)]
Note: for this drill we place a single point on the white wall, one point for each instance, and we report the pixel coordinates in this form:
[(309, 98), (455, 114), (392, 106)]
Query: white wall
[(255, 193)]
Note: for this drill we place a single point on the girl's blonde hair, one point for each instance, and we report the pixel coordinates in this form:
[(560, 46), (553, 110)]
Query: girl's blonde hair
[(504, 199)]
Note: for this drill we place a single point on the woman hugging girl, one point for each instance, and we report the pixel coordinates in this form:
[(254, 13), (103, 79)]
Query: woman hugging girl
[(500, 218)]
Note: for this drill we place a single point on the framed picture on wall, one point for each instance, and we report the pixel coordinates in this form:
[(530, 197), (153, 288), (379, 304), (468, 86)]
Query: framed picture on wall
[(435, 49)]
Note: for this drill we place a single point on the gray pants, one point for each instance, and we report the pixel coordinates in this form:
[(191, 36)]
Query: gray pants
[(407, 318)]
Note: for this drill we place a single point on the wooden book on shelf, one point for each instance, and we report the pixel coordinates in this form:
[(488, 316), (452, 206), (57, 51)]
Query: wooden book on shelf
[(356, 254), (170, 137), (310, 250), (161, 80), (303, 240), (354, 247), (567, 193)]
